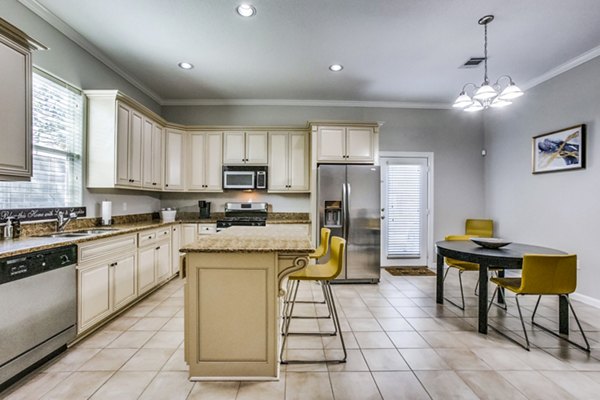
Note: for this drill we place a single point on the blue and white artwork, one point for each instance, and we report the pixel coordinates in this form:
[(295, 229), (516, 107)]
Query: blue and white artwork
[(559, 150)]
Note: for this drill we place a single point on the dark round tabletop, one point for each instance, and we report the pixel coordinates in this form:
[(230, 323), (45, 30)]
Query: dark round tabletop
[(466, 250)]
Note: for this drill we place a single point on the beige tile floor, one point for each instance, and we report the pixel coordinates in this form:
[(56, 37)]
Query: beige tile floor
[(401, 345)]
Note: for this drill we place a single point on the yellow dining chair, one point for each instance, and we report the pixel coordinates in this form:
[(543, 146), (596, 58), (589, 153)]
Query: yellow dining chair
[(461, 266), (544, 275), (323, 273), (480, 227)]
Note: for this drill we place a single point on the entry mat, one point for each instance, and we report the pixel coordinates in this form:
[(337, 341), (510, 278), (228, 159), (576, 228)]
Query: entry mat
[(410, 271)]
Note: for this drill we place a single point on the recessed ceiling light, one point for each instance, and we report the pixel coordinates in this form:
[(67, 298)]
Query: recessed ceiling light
[(246, 10), (336, 67), (185, 65)]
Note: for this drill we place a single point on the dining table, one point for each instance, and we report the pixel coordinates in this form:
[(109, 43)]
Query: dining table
[(500, 259)]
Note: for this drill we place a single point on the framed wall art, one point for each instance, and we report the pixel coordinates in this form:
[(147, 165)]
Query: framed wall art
[(559, 150)]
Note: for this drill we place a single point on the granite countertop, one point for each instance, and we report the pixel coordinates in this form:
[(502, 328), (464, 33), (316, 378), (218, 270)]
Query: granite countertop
[(246, 239), (28, 244)]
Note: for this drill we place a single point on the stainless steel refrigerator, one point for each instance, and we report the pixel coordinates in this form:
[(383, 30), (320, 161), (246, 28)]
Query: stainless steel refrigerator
[(348, 202)]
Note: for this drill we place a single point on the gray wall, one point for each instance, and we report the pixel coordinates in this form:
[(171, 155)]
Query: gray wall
[(68, 61), (456, 139), (554, 209)]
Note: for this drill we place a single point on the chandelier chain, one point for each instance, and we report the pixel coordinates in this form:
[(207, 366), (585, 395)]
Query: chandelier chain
[(485, 55)]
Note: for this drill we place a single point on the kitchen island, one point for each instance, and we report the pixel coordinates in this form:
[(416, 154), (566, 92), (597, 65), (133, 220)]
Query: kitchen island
[(233, 289)]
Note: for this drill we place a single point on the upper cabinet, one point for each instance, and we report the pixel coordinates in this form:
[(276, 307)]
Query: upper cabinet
[(15, 102), (241, 147), (204, 164), (174, 160), (288, 162), (345, 144), (118, 136), (152, 152)]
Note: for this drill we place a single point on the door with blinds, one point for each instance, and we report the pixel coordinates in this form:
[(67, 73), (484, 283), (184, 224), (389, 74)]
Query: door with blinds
[(404, 200)]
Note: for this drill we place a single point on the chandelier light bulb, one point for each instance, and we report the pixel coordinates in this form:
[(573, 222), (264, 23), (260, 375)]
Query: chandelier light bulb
[(485, 92), (462, 101), (499, 103), (474, 107), (511, 92)]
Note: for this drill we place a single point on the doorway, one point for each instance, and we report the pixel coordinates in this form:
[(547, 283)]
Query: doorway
[(406, 202)]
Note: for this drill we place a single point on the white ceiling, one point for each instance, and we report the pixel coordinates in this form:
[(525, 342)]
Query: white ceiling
[(393, 51)]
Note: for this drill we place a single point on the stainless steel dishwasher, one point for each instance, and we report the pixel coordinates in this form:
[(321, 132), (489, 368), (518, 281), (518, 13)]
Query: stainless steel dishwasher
[(38, 312)]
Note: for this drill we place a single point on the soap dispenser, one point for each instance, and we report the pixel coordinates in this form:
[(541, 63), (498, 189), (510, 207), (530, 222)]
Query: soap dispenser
[(8, 229)]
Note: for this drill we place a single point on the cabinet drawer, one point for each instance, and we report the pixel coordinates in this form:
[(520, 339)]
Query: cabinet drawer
[(163, 233), (207, 229), (146, 237), (105, 247)]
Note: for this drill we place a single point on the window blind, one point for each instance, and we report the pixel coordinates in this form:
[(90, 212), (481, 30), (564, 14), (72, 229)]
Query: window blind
[(57, 123), (404, 193)]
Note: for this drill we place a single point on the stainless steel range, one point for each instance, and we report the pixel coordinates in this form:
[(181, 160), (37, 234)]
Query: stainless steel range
[(243, 214)]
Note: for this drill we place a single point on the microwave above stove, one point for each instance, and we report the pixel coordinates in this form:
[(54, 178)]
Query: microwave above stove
[(244, 177)]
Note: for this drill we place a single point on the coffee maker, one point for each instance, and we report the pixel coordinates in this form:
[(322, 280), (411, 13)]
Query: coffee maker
[(204, 209)]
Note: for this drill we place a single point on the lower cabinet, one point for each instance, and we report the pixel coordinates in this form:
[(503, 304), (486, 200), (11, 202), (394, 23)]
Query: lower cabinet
[(113, 272), (105, 284), (175, 246), (154, 258)]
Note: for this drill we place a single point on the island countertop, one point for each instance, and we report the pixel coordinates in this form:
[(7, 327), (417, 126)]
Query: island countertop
[(253, 239)]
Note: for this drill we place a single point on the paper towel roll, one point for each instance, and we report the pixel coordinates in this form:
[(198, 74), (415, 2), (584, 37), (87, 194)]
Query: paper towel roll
[(106, 212)]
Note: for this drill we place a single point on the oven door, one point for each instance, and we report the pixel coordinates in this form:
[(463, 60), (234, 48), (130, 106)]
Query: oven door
[(239, 179)]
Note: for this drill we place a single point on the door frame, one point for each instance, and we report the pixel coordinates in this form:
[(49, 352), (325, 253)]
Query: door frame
[(430, 196)]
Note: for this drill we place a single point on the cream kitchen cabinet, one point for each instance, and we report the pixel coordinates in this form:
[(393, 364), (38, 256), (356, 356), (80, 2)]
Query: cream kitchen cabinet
[(204, 155), (15, 102), (249, 147), (288, 162), (154, 258), (175, 246), (152, 154), (106, 279), (174, 160), (345, 144), (189, 233), (117, 136)]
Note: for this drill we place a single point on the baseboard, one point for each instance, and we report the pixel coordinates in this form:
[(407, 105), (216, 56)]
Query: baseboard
[(590, 301)]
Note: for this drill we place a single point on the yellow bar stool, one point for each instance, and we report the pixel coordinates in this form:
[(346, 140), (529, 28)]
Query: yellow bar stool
[(323, 273), (319, 252), (543, 275)]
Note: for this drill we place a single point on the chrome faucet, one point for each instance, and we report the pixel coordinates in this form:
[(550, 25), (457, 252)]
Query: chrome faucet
[(61, 221)]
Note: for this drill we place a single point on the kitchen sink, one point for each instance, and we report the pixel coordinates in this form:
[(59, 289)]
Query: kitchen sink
[(79, 233)]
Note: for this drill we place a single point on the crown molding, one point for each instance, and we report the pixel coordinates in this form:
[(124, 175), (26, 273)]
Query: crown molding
[(572, 63), (82, 42), (303, 103)]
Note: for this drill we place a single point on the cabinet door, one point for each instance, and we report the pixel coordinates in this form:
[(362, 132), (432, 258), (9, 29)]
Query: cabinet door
[(196, 163), (94, 295), (278, 161), (146, 273), (175, 245), (124, 283), (234, 148), (135, 149), (15, 111), (257, 148), (331, 143), (157, 156), (174, 178), (213, 162), (359, 144), (123, 123), (188, 233), (163, 261), (147, 154), (298, 162)]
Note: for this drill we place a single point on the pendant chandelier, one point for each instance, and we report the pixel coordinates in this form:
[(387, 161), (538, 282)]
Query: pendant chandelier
[(500, 94)]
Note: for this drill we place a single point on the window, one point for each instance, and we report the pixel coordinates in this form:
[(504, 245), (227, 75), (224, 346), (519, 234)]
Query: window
[(57, 122)]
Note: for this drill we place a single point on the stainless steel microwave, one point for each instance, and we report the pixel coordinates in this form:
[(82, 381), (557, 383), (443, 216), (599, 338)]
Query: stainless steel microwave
[(244, 177)]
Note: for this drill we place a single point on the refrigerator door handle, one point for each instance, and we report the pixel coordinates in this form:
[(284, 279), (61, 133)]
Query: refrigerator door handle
[(347, 224), (344, 211)]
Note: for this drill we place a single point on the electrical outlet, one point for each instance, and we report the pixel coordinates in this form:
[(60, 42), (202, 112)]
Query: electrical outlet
[(124, 206)]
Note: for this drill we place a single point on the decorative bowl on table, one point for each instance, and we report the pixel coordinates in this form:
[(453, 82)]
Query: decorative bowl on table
[(490, 243)]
